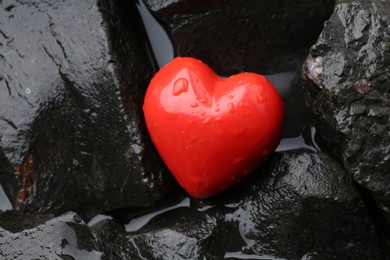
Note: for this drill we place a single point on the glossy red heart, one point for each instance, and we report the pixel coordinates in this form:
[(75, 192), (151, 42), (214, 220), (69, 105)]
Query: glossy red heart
[(211, 131)]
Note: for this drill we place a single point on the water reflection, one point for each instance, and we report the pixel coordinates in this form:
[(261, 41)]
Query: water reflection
[(5, 204), (137, 223), (161, 44)]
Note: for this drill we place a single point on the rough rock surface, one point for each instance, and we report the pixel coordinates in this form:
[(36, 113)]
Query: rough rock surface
[(72, 81), (299, 205), (248, 35), (347, 79), (24, 236)]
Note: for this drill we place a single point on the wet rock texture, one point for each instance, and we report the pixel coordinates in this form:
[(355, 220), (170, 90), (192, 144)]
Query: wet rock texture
[(232, 36), (72, 137), (24, 236), (299, 205), (72, 81), (347, 78)]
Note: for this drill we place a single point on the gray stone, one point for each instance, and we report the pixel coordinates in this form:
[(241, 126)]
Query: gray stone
[(299, 205), (24, 236), (249, 35), (347, 78), (72, 134)]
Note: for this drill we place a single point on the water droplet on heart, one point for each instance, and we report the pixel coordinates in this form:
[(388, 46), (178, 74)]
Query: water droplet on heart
[(194, 104), (191, 138), (203, 100), (230, 97), (207, 120), (261, 99), (202, 113), (242, 104), (196, 80), (238, 159), (231, 107), (218, 119), (236, 132), (180, 86), (217, 109), (265, 152)]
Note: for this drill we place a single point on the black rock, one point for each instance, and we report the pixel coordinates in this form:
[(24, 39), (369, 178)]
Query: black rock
[(299, 205), (25, 236), (112, 241), (72, 134), (178, 234), (233, 36), (347, 78)]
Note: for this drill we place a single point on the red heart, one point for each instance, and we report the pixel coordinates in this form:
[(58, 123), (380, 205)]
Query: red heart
[(211, 131)]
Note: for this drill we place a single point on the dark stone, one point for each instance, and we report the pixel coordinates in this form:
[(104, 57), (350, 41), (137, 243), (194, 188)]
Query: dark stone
[(298, 205), (71, 127), (39, 237), (176, 235), (347, 78), (233, 36), (16, 222), (112, 241)]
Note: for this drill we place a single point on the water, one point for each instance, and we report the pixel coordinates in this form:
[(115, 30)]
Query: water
[(180, 86), (300, 142), (137, 223), (231, 107), (283, 81), (194, 104), (161, 44), (5, 204), (240, 255), (98, 218)]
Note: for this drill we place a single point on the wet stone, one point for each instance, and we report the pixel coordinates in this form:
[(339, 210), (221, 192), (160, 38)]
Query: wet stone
[(298, 205), (72, 134), (112, 240), (26, 236), (233, 36), (347, 78), (177, 234)]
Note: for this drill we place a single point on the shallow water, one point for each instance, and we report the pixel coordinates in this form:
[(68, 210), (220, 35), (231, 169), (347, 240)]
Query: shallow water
[(161, 44), (5, 204), (137, 223)]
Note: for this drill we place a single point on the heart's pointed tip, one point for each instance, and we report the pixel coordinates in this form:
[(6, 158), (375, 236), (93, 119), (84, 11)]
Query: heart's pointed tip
[(201, 194)]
